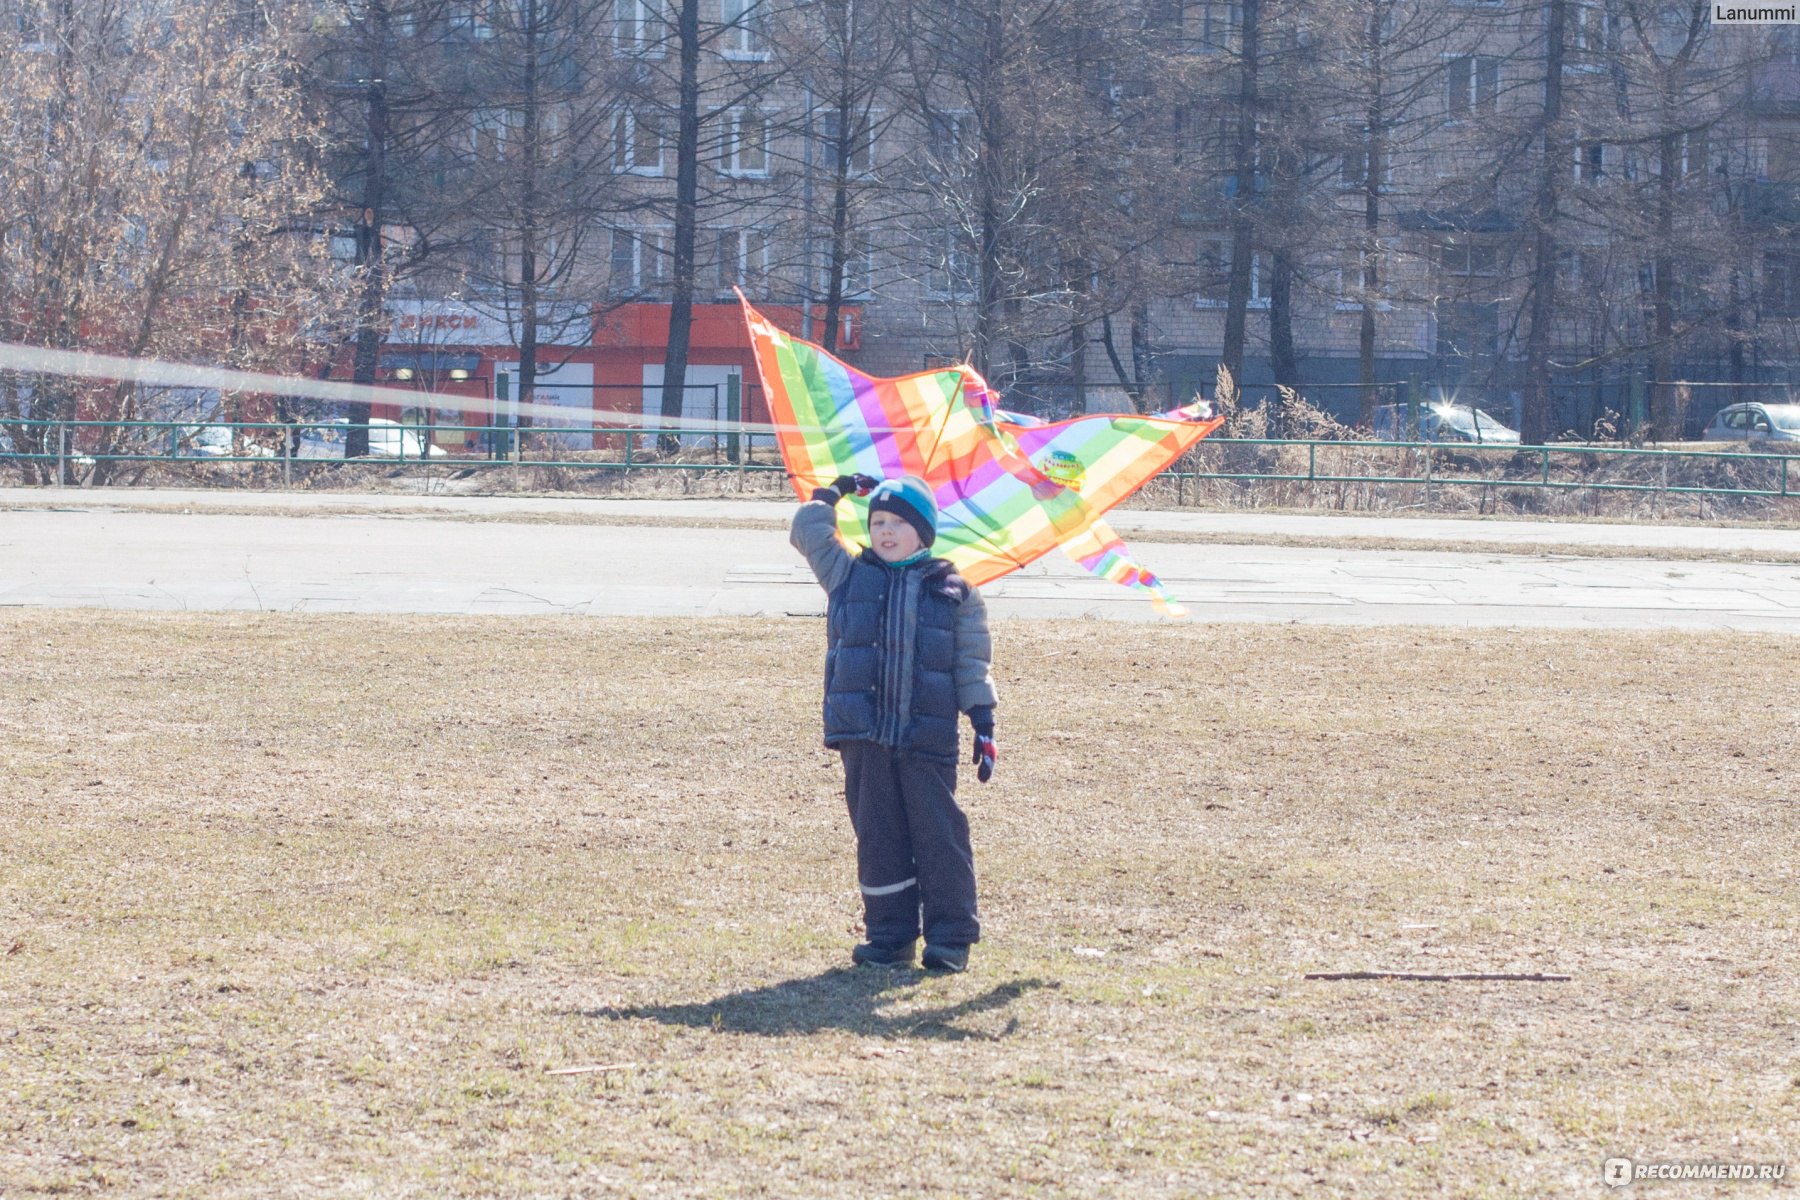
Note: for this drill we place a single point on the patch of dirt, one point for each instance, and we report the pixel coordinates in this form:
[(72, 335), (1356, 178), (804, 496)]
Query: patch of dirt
[(315, 904)]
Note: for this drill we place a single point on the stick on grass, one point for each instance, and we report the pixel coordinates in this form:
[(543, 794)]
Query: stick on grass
[(1461, 977)]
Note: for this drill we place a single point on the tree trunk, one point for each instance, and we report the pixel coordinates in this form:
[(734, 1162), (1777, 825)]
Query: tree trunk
[(1374, 166), (1662, 344), (1237, 291), (1078, 338), (1131, 381), (840, 217), (1535, 424), (528, 218), (687, 217), (370, 306), (988, 185), (1284, 360)]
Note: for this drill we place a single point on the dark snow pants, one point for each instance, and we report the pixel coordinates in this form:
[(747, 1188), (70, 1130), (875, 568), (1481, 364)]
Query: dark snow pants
[(912, 847)]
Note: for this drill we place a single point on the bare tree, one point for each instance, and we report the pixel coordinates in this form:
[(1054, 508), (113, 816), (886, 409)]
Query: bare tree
[(388, 79), (1386, 81), (153, 199), (541, 183)]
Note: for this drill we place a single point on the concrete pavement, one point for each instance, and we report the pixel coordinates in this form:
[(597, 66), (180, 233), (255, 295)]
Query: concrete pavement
[(140, 550), (1142, 523)]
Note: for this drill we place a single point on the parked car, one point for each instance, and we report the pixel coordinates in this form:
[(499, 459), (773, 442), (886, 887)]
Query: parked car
[(1754, 423), (387, 439), (1444, 422), (214, 441)]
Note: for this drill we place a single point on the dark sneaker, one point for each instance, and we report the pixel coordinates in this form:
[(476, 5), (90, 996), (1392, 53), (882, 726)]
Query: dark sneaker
[(946, 958), (870, 955)]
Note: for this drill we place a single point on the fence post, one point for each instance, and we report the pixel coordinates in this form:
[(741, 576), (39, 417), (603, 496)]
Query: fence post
[(1634, 423), (498, 444), (62, 451), (735, 418)]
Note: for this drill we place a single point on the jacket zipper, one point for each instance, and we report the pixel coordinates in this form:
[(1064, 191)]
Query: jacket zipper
[(891, 675)]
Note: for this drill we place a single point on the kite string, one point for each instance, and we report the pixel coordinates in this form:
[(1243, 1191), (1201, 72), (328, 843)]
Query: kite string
[(83, 364)]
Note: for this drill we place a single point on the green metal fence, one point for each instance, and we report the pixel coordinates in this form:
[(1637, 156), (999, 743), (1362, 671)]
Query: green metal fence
[(77, 447), (1503, 465)]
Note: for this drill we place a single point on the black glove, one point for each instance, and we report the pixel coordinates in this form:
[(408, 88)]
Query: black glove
[(862, 485), (986, 752)]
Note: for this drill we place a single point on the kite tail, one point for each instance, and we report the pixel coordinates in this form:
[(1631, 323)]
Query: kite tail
[(1109, 559)]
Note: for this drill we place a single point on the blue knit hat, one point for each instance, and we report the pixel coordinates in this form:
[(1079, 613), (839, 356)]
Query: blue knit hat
[(908, 498)]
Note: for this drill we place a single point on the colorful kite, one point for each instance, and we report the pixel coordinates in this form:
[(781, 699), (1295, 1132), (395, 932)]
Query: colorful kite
[(1009, 488)]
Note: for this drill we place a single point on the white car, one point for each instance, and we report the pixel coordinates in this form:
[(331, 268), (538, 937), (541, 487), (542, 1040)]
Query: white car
[(214, 441), (1754, 423), (387, 439), (1443, 422)]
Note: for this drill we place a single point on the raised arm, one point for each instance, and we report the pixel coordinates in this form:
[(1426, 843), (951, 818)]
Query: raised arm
[(814, 532)]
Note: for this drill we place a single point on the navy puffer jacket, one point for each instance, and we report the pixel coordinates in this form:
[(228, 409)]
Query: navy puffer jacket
[(907, 649), (890, 657)]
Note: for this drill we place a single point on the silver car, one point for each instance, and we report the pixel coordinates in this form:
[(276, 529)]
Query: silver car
[(1443, 422), (1755, 423)]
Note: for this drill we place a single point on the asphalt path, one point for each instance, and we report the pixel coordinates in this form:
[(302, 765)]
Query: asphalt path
[(167, 551)]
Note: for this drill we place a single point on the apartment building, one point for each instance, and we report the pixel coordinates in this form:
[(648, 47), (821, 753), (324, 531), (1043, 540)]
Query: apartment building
[(1083, 253)]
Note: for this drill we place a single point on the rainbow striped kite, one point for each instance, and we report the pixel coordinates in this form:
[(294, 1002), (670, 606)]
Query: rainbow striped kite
[(1009, 488)]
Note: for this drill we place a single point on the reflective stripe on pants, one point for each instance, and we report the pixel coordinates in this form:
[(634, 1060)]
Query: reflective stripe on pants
[(913, 859)]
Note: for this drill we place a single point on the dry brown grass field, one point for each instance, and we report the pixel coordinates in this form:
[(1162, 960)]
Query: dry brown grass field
[(315, 906)]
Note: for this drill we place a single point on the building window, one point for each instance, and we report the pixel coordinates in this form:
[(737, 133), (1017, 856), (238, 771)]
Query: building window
[(1591, 30), (1781, 283), (1460, 257), (1692, 154), (1583, 268), (1350, 290), (745, 150), (1354, 171), (1212, 274), (955, 271), (1590, 162), (1474, 85), (743, 259), (861, 144), (1210, 26), (859, 270), (490, 130), (948, 136), (472, 18), (638, 261), (745, 29), (638, 143), (1647, 286), (640, 26)]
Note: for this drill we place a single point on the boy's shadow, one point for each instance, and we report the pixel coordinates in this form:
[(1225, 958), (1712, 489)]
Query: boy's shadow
[(846, 998)]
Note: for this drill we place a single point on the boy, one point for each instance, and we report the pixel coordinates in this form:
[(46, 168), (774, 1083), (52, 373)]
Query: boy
[(907, 648)]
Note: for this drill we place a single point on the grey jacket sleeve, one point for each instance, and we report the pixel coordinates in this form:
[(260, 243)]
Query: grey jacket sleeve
[(974, 655), (814, 534)]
